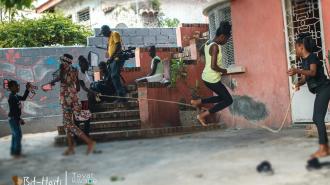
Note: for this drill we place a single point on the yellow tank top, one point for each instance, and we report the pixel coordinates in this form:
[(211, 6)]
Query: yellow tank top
[(209, 75)]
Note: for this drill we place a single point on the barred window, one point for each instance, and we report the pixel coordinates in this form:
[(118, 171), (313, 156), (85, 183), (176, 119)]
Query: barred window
[(222, 13), (83, 15)]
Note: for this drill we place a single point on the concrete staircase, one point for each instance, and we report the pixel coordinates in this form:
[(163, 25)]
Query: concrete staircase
[(110, 119), (112, 122), (122, 121)]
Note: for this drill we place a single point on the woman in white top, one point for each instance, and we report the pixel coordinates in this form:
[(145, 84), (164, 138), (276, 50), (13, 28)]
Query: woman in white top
[(157, 68), (212, 74)]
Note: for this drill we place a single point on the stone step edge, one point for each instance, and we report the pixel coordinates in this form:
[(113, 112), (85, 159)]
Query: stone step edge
[(115, 111), (149, 133), (60, 128), (311, 130)]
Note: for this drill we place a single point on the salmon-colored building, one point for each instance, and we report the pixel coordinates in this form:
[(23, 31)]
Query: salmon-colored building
[(263, 34)]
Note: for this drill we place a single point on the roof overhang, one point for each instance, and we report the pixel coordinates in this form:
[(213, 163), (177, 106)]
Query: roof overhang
[(47, 5)]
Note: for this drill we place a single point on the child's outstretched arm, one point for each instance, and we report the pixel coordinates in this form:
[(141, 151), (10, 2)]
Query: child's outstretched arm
[(26, 93)]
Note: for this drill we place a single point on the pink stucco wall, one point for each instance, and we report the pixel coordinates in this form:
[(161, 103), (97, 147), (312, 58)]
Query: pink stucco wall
[(259, 45), (326, 26)]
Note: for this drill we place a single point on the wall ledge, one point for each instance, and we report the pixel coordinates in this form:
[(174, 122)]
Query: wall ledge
[(234, 69), (152, 85)]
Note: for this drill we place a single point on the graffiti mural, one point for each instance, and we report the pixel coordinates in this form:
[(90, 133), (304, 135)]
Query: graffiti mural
[(36, 68)]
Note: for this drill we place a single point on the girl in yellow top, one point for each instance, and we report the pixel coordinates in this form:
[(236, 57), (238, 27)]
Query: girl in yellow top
[(212, 73)]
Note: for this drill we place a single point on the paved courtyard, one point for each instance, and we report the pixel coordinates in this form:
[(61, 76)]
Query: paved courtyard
[(226, 157)]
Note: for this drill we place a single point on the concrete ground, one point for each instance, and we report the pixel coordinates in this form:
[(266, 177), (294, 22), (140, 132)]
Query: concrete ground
[(224, 157)]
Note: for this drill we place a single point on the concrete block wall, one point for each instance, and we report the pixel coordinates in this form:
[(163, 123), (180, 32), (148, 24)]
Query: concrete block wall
[(140, 37)]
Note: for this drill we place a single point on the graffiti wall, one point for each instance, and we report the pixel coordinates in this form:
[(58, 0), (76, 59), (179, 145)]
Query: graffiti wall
[(35, 65)]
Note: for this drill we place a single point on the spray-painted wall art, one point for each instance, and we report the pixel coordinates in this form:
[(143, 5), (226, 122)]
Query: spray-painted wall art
[(34, 65)]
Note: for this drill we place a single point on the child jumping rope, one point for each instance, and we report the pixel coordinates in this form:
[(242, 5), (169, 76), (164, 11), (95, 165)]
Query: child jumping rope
[(312, 72), (212, 74)]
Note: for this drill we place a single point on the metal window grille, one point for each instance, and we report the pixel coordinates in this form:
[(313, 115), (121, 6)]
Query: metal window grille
[(215, 17), (303, 16), (83, 15)]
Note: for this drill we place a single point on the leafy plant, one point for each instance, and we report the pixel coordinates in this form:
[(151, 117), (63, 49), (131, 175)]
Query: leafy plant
[(169, 23), (8, 8), (178, 71), (155, 4), (51, 29)]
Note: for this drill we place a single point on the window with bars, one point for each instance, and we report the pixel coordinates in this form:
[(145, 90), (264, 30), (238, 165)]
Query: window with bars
[(217, 15), (83, 15)]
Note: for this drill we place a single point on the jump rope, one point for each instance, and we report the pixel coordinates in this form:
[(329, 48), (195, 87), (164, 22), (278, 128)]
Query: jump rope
[(189, 105)]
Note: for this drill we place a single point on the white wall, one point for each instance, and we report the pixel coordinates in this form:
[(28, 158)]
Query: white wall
[(97, 16), (187, 11)]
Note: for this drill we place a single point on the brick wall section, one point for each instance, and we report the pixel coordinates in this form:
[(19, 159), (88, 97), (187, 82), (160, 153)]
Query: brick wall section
[(186, 32), (143, 62), (158, 114)]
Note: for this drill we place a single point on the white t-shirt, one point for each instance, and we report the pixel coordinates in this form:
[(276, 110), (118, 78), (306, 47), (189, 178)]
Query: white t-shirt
[(86, 79)]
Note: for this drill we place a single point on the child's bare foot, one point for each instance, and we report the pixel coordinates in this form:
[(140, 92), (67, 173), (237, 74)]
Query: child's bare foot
[(322, 152), (201, 120), (203, 109), (196, 103), (69, 151), (91, 147)]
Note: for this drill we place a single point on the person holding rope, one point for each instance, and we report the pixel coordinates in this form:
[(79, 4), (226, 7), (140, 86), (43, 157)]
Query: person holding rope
[(68, 76), (14, 117), (212, 74), (312, 73)]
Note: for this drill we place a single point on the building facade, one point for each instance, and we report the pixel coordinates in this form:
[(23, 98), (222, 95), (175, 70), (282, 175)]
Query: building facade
[(127, 13), (263, 42)]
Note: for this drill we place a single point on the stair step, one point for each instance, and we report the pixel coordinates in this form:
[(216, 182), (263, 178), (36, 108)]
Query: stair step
[(131, 87), (101, 126), (311, 130), (142, 133), (102, 107), (116, 115)]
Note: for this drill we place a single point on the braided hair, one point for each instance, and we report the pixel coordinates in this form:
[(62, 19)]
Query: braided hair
[(224, 28)]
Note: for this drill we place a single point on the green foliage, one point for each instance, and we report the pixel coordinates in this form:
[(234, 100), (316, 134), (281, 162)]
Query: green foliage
[(17, 4), (8, 8), (177, 70), (168, 22), (155, 4), (51, 29)]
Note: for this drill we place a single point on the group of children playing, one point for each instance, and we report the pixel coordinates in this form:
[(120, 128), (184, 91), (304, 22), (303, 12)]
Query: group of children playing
[(312, 73)]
